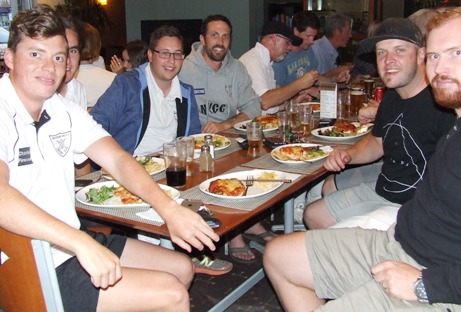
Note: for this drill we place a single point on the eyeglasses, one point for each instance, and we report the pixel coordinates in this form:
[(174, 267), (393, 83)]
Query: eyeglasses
[(166, 55), (283, 37)]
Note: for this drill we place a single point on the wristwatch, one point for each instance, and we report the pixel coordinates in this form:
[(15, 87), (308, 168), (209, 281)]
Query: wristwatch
[(420, 290)]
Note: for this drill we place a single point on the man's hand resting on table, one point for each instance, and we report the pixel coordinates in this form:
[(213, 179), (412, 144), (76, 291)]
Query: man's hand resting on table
[(337, 160), (187, 228), (213, 127)]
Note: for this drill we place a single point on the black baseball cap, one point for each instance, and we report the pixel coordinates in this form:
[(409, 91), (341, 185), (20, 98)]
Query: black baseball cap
[(395, 28), (279, 28)]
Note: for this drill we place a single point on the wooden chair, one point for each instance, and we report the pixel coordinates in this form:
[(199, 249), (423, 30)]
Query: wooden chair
[(28, 279)]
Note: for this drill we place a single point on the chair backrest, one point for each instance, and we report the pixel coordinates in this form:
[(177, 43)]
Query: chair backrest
[(28, 279)]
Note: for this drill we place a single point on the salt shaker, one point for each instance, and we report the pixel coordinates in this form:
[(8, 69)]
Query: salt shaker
[(206, 161), (209, 141)]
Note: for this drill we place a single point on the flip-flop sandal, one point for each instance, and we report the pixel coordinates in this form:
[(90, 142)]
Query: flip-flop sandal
[(260, 238), (244, 249)]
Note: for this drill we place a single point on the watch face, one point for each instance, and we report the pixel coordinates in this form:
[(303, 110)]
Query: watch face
[(420, 290)]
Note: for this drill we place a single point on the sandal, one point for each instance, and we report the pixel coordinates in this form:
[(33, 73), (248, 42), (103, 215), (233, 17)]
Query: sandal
[(212, 267), (245, 249), (259, 238)]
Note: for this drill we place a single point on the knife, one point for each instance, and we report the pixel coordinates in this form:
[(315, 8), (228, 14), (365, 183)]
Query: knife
[(268, 180)]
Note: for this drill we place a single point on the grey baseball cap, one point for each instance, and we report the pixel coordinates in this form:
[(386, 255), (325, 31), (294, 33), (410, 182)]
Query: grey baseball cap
[(395, 28)]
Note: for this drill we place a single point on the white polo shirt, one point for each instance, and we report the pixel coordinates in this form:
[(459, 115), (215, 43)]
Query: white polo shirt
[(163, 119), (41, 159), (76, 93), (258, 64)]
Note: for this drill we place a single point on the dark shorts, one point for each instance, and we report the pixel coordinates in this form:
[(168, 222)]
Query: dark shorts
[(77, 291)]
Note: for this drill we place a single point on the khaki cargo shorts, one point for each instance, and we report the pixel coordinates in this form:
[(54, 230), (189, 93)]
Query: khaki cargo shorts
[(341, 260)]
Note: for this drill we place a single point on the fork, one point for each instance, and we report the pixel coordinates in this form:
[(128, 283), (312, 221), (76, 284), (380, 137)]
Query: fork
[(248, 183)]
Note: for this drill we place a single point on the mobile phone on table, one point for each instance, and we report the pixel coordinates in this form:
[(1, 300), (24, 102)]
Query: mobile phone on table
[(198, 206), (326, 122), (273, 142), (83, 182)]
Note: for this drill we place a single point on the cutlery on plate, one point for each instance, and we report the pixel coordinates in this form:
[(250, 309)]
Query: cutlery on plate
[(268, 180), (248, 183)]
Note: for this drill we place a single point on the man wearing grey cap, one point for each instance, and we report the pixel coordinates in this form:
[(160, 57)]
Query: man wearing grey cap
[(416, 264), (407, 127), (276, 41)]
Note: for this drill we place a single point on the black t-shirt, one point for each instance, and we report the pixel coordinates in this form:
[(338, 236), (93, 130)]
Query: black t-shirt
[(429, 225), (410, 130)]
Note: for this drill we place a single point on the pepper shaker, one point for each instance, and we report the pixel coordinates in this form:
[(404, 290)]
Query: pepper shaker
[(206, 161)]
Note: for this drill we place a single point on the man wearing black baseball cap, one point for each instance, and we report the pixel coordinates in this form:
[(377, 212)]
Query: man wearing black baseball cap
[(395, 28), (281, 29), (276, 41), (352, 265)]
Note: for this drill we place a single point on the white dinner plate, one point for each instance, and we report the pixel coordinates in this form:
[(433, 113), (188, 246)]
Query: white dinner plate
[(159, 161), (81, 197), (241, 126), (315, 133), (200, 137), (171, 191), (327, 149), (258, 188)]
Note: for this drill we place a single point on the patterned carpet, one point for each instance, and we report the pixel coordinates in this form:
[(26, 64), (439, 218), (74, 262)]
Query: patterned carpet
[(207, 290)]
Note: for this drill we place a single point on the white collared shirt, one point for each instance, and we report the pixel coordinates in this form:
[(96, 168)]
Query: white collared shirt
[(259, 66), (163, 119)]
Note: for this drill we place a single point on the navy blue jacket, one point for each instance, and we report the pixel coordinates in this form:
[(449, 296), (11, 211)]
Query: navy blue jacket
[(120, 110)]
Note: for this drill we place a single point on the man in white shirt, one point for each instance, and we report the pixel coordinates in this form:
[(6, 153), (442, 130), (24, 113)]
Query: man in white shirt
[(41, 135), (156, 106), (276, 41), (70, 87)]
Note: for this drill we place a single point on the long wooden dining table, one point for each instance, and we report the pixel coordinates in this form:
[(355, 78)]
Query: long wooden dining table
[(232, 214)]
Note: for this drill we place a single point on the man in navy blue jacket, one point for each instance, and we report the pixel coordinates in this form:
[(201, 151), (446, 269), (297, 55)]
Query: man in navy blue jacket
[(149, 106)]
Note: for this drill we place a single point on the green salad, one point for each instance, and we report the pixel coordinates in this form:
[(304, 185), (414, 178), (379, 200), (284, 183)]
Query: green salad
[(100, 195)]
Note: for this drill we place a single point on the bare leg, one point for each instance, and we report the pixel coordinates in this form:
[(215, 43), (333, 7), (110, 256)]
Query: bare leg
[(287, 265), (316, 215), (257, 229), (154, 279), (329, 185), (238, 242), (138, 254)]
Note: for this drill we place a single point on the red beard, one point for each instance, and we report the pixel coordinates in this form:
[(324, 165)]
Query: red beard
[(445, 96)]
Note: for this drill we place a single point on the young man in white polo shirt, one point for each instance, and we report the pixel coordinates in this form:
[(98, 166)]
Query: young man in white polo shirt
[(41, 135)]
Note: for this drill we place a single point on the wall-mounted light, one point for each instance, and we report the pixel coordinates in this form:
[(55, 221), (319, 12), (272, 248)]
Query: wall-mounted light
[(102, 2)]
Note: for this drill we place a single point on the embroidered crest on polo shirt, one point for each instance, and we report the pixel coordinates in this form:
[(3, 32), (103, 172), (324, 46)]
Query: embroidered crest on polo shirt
[(24, 157), (61, 142)]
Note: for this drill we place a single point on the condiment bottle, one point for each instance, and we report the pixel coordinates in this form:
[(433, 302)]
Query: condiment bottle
[(209, 141), (206, 161)]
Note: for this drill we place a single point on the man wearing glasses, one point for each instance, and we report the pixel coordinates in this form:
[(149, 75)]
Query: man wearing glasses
[(276, 41), (149, 106)]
